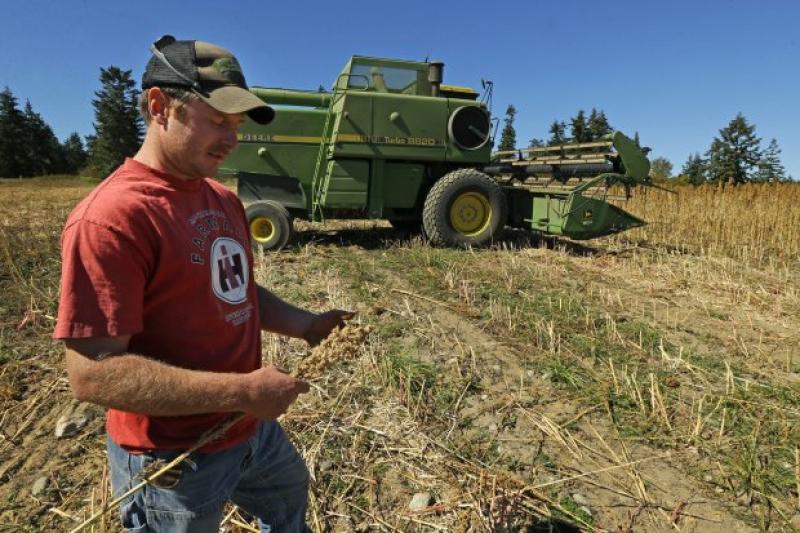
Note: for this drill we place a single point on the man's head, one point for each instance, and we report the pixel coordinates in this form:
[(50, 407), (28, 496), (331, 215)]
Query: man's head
[(194, 99), (205, 70)]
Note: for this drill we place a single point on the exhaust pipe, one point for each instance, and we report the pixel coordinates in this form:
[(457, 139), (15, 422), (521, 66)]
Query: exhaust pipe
[(435, 72)]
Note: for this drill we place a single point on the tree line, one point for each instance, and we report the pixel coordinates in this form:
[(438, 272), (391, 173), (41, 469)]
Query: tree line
[(736, 155), (583, 128), (28, 146)]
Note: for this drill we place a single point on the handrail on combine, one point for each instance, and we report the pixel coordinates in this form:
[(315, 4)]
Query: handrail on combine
[(320, 180)]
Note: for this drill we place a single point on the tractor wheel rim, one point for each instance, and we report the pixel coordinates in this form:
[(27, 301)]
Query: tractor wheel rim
[(470, 213), (262, 229)]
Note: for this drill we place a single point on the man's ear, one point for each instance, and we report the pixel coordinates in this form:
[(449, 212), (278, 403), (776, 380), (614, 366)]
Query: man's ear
[(157, 105)]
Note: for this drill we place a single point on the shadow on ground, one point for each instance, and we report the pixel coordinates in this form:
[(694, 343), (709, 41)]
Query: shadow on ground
[(379, 238), (553, 525), (366, 238), (522, 239)]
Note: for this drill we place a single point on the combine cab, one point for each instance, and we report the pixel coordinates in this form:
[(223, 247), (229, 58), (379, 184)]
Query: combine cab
[(391, 141)]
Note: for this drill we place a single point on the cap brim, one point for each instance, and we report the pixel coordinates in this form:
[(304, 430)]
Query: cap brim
[(232, 99)]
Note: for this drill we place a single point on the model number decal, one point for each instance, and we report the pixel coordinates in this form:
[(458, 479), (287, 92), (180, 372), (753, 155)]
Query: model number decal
[(382, 139), (342, 137)]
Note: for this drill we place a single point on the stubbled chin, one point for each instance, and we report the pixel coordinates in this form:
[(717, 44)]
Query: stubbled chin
[(213, 163), (211, 169)]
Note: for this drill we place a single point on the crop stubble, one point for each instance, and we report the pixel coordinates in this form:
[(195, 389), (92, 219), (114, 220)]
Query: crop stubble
[(571, 360)]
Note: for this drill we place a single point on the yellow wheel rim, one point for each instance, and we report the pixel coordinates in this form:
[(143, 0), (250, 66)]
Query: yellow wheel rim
[(470, 213), (262, 229)]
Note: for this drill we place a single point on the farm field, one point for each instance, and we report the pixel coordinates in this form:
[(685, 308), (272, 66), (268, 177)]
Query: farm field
[(644, 382)]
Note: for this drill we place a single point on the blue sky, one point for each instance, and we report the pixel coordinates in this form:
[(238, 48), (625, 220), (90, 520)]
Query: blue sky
[(676, 71)]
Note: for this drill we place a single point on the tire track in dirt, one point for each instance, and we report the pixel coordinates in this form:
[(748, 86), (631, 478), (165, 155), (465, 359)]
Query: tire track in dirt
[(521, 410)]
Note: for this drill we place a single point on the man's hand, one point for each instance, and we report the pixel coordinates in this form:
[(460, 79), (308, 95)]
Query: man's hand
[(270, 392), (283, 318), (320, 326)]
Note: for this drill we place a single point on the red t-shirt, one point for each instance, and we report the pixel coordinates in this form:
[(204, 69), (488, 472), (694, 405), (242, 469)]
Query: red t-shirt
[(168, 262)]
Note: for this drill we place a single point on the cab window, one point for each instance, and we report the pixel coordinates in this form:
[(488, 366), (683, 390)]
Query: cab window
[(384, 79)]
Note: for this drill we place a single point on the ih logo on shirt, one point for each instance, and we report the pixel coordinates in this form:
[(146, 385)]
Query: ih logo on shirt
[(229, 270)]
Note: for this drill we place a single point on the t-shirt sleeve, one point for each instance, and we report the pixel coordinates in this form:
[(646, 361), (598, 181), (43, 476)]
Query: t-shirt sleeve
[(103, 277)]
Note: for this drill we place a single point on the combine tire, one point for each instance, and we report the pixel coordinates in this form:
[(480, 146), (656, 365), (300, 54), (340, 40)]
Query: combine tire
[(464, 208), (270, 225)]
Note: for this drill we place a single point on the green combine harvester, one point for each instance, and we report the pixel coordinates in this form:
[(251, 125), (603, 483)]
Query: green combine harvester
[(390, 141)]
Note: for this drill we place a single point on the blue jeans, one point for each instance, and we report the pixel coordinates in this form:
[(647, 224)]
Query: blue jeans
[(264, 476)]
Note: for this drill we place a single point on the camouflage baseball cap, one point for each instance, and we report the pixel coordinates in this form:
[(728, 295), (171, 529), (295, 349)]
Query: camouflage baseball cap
[(208, 70)]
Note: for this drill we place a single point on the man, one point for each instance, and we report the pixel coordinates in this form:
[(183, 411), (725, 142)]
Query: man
[(161, 316)]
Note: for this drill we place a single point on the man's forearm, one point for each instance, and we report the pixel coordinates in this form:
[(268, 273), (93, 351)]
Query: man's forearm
[(134, 383), (282, 317)]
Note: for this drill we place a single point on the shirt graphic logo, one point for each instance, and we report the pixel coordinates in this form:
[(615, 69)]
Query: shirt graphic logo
[(229, 270)]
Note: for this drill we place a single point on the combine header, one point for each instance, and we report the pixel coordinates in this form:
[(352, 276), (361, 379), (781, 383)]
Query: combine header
[(563, 190), (391, 141)]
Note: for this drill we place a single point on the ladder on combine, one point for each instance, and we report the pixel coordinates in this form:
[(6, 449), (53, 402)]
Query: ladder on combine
[(321, 178)]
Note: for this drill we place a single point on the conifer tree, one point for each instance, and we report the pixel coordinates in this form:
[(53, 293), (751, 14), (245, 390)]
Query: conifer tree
[(734, 154), (695, 169), (13, 157), (770, 168), (536, 143), (74, 155), (580, 130), (118, 126), (598, 125), (42, 149), (557, 133), (508, 137)]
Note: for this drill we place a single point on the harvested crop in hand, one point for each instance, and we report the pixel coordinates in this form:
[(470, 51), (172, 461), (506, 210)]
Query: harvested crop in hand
[(342, 344)]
